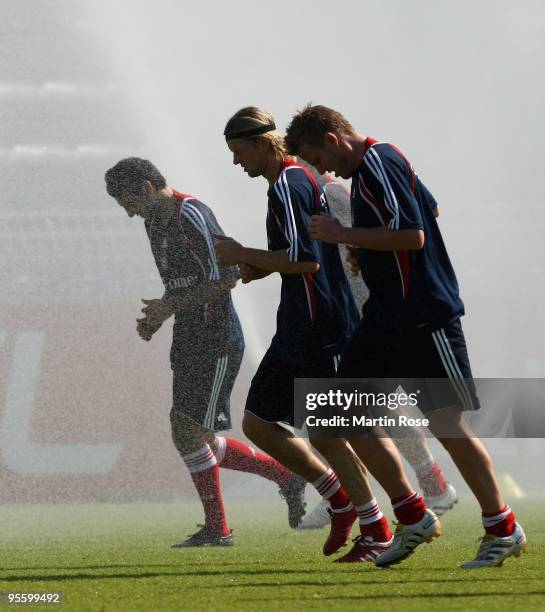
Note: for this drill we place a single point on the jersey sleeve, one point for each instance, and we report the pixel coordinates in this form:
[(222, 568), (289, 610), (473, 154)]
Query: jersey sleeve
[(293, 209), (388, 186), (426, 194), (206, 225)]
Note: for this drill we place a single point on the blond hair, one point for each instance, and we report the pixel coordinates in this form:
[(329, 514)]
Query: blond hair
[(251, 118)]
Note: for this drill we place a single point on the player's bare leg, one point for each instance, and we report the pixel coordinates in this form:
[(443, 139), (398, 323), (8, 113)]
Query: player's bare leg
[(379, 453), (295, 454), (417, 524), (503, 537), (344, 461), (438, 494), (470, 456), (284, 446), (375, 534)]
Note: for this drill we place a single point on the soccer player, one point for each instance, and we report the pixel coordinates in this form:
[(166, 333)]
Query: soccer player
[(207, 344), (411, 323), (316, 314), (439, 495)]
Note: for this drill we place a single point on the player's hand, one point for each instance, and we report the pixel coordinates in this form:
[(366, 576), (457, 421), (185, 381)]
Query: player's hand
[(327, 229), (228, 251), (156, 311), (249, 273), (144, 329), (352, 260)]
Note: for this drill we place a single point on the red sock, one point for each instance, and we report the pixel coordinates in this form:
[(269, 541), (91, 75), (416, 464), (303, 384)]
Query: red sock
[(329, 487), (501, 523), (235, 455), (206, 477), (409, 508), (372, 522), (431, 479)]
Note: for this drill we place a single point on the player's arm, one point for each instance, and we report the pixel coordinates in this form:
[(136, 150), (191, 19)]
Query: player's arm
[(277, 261), (157, 311), (245, 272), (381, 238), (389, 187), (294, 253), (231, 252)]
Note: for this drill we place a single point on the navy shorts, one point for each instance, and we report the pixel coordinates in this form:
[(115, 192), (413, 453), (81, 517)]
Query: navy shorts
[(433, 363), (271, 395), (202, 388)]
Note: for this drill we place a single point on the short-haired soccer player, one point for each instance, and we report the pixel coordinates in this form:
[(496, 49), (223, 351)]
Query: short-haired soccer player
[(207, 344), (439, 495), (411, 325), (316, 314)]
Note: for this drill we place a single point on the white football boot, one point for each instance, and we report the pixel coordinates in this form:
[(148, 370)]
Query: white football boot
[(408, 537), (439, 504), (317, 518), (493, 550)]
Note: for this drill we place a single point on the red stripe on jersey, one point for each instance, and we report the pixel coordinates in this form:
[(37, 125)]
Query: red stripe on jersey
[(307, 277), (369, 142), (379, 207), (311, 294), (180, 196), (402, 257), (287, 163)]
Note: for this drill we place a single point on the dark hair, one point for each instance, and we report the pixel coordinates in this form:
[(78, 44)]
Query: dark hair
[(310, 125), (128, 175)]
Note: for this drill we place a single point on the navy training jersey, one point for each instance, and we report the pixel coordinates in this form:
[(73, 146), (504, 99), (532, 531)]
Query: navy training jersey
[(316, 311), (186, 260), (407, 288)]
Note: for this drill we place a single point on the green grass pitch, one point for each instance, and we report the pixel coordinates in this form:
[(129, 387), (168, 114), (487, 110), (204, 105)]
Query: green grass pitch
[(117, 557)]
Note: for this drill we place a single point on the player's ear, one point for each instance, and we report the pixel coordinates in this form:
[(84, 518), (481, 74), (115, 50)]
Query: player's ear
[(331, 138), (149, 189)]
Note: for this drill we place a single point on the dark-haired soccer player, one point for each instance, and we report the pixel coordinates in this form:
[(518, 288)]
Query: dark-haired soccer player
[(411, 322), (207, 344), (315, 317)]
